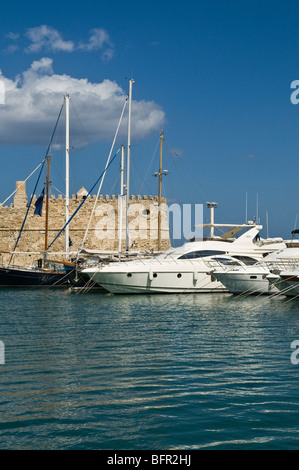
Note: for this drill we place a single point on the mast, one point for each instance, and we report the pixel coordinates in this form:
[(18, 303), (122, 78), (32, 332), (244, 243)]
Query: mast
[(121, 197), (47, 203), (212, 206), (160, 192), (160, 173), (128, 164), (67, 169)]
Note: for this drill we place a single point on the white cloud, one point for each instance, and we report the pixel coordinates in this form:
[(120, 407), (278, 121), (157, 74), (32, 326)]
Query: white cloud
[(33, 100), (47, 37), (99, 40), (13, 46)]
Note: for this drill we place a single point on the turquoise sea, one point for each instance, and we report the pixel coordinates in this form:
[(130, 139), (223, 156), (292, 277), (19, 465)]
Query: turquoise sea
[(176, 372)]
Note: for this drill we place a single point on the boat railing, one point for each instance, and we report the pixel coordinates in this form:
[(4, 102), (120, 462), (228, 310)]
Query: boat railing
[(279, 265), (284, 265), (224, 266)]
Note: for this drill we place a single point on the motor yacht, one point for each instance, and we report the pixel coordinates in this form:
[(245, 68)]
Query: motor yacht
[(262, 277), (189, 268)]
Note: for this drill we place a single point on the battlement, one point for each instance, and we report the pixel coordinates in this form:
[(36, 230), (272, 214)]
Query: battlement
[(102, 198), (102, 216), (21, 199)]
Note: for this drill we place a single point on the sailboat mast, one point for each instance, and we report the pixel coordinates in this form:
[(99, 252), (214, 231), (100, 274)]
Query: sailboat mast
[(128, 164), (67, 169), (47, 203), (120, 220), (160, 192)]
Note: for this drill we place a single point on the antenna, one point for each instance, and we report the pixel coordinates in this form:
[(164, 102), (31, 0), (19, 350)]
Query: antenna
[(212, 206)]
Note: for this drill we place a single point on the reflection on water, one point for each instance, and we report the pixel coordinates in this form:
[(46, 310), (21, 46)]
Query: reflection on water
[(98, 371)]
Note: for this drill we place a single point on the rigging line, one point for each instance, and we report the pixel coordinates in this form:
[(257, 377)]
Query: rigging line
[(81, 204), (292, 298), (270, 297), (191, 184), (243, 294), (283, 300), (136, 173), (104, 173), (248, 291), (54, 131), (23, 182), (87, 286), (115, 181), (42, 166), (254, 292), (21, 229), (54, 187), (174, 160), (84, 132), (149, 167)]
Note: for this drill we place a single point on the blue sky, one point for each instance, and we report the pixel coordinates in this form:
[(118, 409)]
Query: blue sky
[(215, 75)]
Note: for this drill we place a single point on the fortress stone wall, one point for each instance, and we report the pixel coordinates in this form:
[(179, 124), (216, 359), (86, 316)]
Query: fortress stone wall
[(103, 232)]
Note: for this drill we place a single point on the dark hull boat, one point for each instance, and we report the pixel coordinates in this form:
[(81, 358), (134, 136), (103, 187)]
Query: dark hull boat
[(33, 277), (80, 281), (47, 273)]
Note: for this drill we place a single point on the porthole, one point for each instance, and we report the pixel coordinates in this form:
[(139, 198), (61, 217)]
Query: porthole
[(253, 277), (179, 275), (129, 274), (155, 275)]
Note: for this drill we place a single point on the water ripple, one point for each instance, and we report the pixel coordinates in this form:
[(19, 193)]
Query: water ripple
[(147, 372)]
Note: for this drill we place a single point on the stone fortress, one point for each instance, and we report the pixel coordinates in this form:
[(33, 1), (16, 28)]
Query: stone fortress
[(102, 234)]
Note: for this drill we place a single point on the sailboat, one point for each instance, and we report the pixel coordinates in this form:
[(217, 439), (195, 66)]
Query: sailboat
[(47, 273), (91, 258), (79, 278)]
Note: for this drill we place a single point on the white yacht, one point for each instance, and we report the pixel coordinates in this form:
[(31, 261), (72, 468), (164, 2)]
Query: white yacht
[(188, 268), (262, 277)]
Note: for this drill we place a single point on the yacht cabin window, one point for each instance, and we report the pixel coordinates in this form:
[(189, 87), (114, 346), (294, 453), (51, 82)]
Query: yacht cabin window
[(246, 260), (227, 261), (201, 254)]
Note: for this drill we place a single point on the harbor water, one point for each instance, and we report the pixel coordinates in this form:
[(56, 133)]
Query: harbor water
[(190, 372)]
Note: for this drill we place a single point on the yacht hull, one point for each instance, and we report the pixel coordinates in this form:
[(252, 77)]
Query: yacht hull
[(163, 282), (246, 282)]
